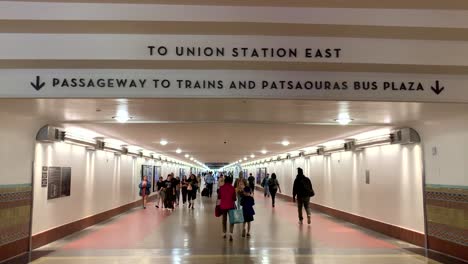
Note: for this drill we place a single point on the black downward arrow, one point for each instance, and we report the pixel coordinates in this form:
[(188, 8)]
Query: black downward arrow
[(437, 89), (38, 85)]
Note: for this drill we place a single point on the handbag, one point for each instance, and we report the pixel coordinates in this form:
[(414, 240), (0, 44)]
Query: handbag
[(218, 211), (236, 216)]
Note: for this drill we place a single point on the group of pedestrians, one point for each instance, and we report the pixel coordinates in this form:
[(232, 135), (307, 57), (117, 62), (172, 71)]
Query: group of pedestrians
[(231, 198), (226, 206), (169, 190)]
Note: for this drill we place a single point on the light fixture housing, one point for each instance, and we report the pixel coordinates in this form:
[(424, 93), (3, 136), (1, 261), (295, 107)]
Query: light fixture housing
[(187, 156), (252, 156), (163, 142), (178, 151), (264, 151), (285, 143)]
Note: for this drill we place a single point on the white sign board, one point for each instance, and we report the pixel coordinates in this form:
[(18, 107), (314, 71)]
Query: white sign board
[(232, 48), (232, 84)]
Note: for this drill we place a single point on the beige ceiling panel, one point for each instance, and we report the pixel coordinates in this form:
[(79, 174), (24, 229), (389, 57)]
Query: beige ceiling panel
[(230, 65), (395, 4), (229, 28)]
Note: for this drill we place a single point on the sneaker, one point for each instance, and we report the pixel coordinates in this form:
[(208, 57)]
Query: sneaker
[(230, 238), (144, 207), (248, 234), (273, 206), (157, 206), (308, 220)]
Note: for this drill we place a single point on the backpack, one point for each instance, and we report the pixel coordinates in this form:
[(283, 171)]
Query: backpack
[(308, 186), (273, 184)]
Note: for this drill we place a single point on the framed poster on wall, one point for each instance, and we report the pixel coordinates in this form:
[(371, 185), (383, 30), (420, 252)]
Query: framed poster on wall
[(263, 173), (181, 173), (147, 170), (59, 182)]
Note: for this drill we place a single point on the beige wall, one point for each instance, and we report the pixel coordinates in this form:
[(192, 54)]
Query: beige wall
[(394, 195), (100, 181)]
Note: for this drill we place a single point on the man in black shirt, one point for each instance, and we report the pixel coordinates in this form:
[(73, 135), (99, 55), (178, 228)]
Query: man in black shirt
[(303, 190), (251, 180)]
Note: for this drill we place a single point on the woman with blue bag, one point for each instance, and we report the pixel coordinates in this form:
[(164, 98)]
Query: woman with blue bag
[(227, 200)]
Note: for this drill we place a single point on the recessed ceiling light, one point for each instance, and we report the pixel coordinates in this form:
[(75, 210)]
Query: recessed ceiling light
[(191, 158), (252, 156), (245, 158), (285, 143), (163, 142), (240, 161), (187, 155), (178, 151), (344, 119), (264, 151), (122, 118)]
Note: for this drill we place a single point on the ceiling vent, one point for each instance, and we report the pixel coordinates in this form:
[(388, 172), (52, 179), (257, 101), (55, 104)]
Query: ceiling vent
[(320, 150), (50, 134), (404, 136)]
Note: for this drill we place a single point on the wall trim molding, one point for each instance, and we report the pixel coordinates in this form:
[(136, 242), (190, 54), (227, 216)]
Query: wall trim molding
[(397, 232), (14, 249), (447, 247), (56, 233)]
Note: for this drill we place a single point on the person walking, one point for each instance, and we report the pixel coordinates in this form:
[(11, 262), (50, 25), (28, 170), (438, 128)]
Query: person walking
[(199, 179), (247, 209), (302, 188), (251, 181), (209, 180), (184, 185), (192, 190), (239, 185), (266, 191), (273, 186), (227, 200), (145, 187), (160, 194), (170, 192), (177, 190)]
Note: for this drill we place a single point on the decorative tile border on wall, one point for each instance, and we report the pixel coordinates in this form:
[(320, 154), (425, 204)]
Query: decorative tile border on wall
[(15, 210), (447, 208)]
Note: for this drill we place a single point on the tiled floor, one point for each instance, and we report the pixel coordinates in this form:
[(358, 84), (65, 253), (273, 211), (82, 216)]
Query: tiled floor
[(194, 236)]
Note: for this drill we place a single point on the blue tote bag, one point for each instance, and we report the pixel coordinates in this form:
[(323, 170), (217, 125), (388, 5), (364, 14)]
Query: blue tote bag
[(236, 216)]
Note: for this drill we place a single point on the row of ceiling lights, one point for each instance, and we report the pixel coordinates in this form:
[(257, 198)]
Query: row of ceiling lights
[(164, 142), (343, 119), (264, 151), (123, 117)]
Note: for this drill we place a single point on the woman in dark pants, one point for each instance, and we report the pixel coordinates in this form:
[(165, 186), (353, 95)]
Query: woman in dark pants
[(273, 186), (192, 190), (170, 192), (184, 185)]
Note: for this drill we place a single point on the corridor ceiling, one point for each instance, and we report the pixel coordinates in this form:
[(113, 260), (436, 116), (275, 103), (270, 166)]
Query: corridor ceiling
[(199, 127)]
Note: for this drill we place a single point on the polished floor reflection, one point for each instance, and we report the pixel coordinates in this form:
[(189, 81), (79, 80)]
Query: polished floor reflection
[(194, 236)]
